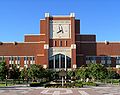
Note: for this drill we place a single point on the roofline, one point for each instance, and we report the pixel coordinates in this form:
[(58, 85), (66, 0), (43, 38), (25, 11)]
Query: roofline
[(22, 42), (108, 41), (33, 34)]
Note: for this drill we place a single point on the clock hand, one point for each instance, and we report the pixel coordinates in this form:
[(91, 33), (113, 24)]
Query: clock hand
[(62, 31), (59, 31)]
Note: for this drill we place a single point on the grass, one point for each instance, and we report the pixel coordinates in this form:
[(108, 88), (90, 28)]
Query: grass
[(4, 85)]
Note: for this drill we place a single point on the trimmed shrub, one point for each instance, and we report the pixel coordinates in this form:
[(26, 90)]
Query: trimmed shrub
[(35, 84), (89, 83), (78, 85), (54, 85)]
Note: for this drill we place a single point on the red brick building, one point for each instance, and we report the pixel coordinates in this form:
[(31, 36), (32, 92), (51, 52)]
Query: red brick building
[(60, 45)]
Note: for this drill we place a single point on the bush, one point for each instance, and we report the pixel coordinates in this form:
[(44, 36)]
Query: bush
[(110, 80), (78, 85), (36, 84), (78, 81), (89, 83), (54, 85)]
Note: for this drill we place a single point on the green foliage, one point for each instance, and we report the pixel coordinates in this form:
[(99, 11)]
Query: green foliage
[(78, 85), (89, 83), (36, 71), (36, 84), (97, 71), (70, 73), (49, 74), (55, 75), (94, 71), (3, 70), (13, 73), (111, 74), (24, 73), (82, 73)]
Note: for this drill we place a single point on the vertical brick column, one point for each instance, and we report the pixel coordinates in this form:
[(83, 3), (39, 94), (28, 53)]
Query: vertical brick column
[(46, 55), (73, 45), (46, 45), (73, 55)]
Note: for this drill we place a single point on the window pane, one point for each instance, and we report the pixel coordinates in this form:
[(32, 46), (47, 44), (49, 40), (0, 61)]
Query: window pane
[(51, 60), (56, 61), (68, 62), (62, 61)]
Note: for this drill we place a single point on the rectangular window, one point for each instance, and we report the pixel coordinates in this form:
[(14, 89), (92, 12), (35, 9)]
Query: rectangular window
[(26, 62), (18, 58), (65, 43), (60, 42), (117, 60), (87, 60), (11, 58), (25, 58), (103, 60), (55, 43), (1, 59), (93, 59), (90, 59), (108, 60), (32, 58)]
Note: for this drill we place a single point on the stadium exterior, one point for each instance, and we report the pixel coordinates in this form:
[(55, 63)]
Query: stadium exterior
[(60, 45)]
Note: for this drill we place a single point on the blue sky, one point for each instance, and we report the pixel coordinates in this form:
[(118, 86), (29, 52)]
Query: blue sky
[(19, 17)]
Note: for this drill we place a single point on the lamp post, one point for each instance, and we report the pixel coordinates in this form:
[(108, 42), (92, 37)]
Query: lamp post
[(62, 73), (6, 80)]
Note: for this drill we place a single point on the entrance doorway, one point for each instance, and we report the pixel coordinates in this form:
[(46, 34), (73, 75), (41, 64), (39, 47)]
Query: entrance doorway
[(59, 61)]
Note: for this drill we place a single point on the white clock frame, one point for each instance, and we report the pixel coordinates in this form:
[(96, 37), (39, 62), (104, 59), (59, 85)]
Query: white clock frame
[(54, 28)]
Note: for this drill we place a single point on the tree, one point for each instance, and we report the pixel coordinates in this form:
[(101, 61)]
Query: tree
[(70, 74), (82, 73), (13, 72), (111, 74), (35, 71), (24, 74), (3, 70), (49, 74), (97, 71)]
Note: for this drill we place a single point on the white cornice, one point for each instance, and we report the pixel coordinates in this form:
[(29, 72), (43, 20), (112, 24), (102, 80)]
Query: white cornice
[(71, 15), (22, 42), (17, 56), (31, 34), (42, 19), (60, 16)]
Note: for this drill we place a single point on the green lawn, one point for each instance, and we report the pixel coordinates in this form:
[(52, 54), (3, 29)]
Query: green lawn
[(4, 85)]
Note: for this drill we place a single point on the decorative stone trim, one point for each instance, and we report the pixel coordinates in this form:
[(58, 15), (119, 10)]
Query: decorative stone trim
[(106, 42), (47, 15), (74, 66), (40, 54), (73, 46), (72, 14), (14, 43), (46, 46), (44, 66)]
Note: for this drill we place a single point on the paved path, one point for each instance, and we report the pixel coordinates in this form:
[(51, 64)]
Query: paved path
[(60, 91)]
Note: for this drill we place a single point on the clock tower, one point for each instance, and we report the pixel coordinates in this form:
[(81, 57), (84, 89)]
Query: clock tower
[(60, 47)]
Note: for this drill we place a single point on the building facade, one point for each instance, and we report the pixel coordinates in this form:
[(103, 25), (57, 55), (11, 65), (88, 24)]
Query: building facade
[(60, 45)]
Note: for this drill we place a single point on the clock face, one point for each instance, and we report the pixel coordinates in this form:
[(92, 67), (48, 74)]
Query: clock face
[(60, 29)]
